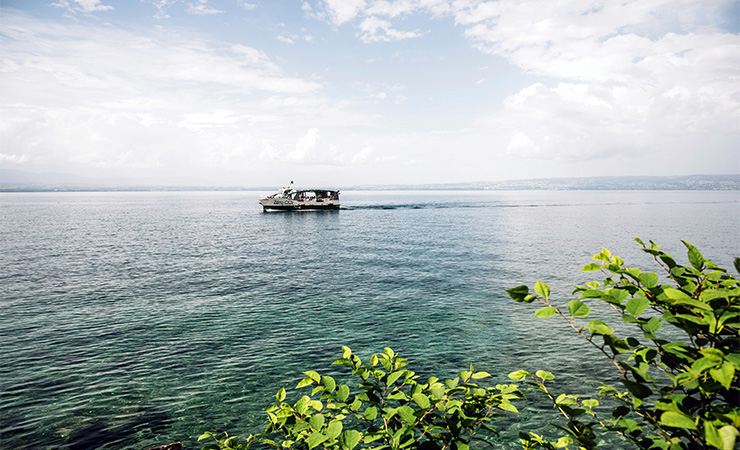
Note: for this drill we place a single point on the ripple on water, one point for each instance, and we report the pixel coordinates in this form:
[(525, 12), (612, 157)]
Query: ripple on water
[(132, 320)]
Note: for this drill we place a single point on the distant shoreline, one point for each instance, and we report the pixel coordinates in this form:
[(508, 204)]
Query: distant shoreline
[(15, 181)]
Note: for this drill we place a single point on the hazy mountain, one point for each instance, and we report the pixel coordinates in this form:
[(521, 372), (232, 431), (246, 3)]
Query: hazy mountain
[(18, 181), (688, 182)]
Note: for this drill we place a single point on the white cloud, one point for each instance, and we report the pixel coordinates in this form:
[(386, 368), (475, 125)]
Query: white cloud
[(246, 5), (366, 157), (343, 11), (8, 158), (86, 97), (201, 8), (83, 6), (311, 150), (628, 81), (162, 6), (587, 83), (622, 77), (373, 29), (289, 38)]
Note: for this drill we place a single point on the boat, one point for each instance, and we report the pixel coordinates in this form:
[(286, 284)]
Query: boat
[(291, 199)]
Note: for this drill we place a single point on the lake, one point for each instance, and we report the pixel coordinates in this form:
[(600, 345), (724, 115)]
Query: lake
[(135, 319)]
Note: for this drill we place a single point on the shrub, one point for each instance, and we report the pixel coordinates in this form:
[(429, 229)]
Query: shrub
[(679, 383)]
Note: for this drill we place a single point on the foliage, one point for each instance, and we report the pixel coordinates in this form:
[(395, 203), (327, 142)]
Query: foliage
[(680, 383), (392, 408), (674, 348)]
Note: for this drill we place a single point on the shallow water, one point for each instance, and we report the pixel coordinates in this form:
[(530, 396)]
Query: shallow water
[(131, 320)]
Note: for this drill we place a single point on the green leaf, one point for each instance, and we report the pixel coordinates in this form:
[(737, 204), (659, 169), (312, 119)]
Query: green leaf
[(591, 267), (729, 435), (280, 395), (695, 258), (648, 280), (578, 308), (597, 326), (315, 439), (370, 413), (653, 325), (313, 375), (302, 404), (508, 407), (394, 376), (637, 389), (711, 435), (328, 383), (519, 375), (421, 400), (547, 311), (316, 421), (520, 294), (702, 364), (677, 420), (304, 382), (343, 392), (350, 439), (723, 374), (397, 395), (334, 429), (407, 414), (637, 305), (205, 435), (542, 289), (544, 375), (480, 375)]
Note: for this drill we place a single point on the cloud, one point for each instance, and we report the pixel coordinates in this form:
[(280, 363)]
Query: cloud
[(201, 8), (621, 91), (4, 157), (375, 24), (289, 38), (366, 157), (307, 147), (80, 97), (617, 77), (343, 11), (312, 149), (246, 5), (83, 6), (373, 29), (162, 6)]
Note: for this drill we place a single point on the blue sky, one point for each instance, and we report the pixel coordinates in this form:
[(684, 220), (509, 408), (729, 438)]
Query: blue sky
[(347, 92)]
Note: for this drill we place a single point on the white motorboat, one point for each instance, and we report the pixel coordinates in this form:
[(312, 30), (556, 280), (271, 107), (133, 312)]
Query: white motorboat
[(290, 199)]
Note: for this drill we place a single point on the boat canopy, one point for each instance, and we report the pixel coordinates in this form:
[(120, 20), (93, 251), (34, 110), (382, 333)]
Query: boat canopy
[(289, 192)]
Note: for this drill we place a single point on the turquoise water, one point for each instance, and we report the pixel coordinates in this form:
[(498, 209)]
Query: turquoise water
[(131, 320)]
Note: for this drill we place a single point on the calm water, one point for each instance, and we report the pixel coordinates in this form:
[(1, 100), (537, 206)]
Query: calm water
[(130, 320)]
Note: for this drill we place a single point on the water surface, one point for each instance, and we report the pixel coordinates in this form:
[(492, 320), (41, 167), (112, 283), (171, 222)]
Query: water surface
[(130, 320)]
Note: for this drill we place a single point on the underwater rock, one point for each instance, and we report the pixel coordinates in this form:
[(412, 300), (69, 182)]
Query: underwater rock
[(173, 446)]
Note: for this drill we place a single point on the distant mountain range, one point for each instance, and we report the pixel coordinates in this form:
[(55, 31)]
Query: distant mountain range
[(687, 182), (21, 181)]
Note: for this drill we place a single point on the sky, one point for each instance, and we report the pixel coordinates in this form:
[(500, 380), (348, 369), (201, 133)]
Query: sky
[(354, 92)]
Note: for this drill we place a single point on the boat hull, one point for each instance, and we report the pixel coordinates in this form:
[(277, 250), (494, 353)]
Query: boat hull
[(284, 204)]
